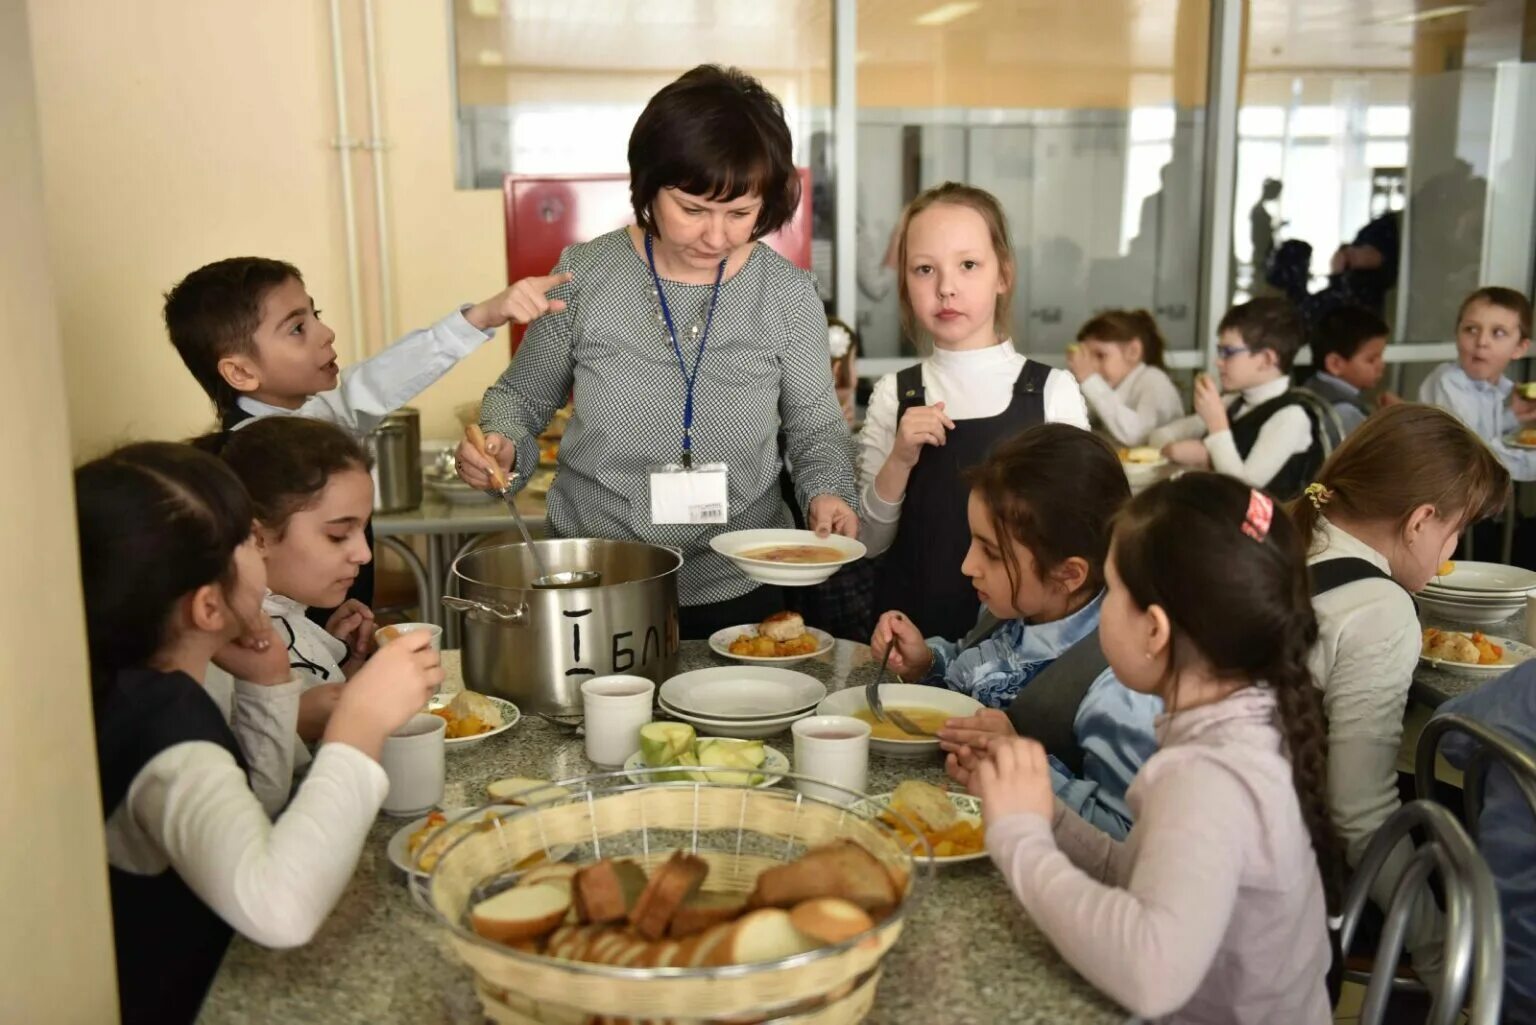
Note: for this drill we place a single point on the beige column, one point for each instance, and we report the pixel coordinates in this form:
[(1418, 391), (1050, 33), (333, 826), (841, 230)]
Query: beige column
[(56, 945)]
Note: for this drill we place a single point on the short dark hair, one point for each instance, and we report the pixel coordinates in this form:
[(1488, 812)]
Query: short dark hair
[(285, 461), (214, 312), (1270, 323), (1055, 489), (1343, 330), (715, 132), (156, 521)]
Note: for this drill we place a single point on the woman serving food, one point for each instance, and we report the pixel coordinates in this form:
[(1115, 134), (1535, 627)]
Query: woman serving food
[(686, 345)]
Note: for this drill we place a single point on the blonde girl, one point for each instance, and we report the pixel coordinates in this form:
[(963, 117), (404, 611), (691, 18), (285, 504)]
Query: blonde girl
[(933, 421)]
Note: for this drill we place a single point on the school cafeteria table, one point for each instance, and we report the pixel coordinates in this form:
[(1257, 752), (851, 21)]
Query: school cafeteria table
[(968, 955), (449, 529)]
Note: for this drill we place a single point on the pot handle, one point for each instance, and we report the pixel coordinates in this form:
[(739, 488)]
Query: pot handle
[(489, 611)]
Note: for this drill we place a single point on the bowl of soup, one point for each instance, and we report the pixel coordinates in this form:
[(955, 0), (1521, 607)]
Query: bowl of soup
[(928, 707), (789, 558)]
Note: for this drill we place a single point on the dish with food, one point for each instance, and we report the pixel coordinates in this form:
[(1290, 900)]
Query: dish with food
[(798, 555), (929, 706), (781, 638), (473, 717), (416, 846), (789, 558), (1142, 455), (664, 745), (1523, 438), (949, 821)]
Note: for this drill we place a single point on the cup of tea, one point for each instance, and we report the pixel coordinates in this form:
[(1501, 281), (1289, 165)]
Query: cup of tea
[(413, 760), (834, 748), (384, 634), (613, 709)]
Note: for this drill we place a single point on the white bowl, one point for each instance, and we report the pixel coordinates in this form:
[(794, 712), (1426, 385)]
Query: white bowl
[(1489, 578), (720, 644), (1471, 615), (739, 729), (902, 695), (785, 574), (750, 693)]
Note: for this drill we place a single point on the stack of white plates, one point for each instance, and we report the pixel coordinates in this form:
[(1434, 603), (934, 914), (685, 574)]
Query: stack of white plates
[(741, 701), (1478, 593)]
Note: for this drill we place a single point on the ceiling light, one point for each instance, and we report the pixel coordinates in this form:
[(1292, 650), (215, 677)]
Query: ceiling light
[(1430, 14), (945, 13)]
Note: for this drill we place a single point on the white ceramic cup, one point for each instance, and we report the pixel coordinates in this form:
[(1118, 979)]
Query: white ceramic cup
[(413, 760), (1530, 619), (834, 748), (613, 710), (384, 634)]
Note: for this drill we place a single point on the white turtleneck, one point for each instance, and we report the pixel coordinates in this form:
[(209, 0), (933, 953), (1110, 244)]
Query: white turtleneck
[(1283, 435), (973, 384)]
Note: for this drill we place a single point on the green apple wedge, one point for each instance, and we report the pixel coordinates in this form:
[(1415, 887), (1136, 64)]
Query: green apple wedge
[(723, 761), (667, 743)]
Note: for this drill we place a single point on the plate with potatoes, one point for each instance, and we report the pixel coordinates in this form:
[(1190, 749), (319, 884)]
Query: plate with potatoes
[(1472, 652), (781, 639), (949, 821)]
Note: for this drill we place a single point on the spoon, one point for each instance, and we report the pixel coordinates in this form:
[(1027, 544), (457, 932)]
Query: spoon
[(565, 727), (503, 487), (896, 716)]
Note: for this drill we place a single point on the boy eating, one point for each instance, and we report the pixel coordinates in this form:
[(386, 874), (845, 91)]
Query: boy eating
[(1349, 346), (1267, 436)]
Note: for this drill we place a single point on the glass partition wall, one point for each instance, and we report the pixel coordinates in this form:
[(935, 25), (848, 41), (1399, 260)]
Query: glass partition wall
[(1132, 171)]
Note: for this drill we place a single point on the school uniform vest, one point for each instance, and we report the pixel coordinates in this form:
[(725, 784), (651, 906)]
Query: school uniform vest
[(1297, 471), (168, 942), (1334, 395), (920, 573), (362, 587)]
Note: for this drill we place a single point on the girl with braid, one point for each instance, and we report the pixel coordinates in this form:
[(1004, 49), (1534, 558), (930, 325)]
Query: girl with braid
[(1214, 907)]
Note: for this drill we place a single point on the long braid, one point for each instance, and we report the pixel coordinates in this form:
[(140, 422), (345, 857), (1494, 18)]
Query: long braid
[(1306, 731)]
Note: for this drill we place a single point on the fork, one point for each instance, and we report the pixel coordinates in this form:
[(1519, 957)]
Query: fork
[(872, 689)]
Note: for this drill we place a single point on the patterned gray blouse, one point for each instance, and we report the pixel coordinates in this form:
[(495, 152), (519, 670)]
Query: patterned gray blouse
[(765, 367)]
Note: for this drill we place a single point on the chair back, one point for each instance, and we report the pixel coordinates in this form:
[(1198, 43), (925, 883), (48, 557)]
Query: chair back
[(1489, 745), (1474, 931)]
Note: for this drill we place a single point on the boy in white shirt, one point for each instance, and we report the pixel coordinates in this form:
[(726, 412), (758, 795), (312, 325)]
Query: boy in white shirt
[(1493, 329), (1267, 436)]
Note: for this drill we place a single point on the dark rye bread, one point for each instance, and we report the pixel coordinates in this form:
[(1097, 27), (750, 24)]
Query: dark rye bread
[(670, 885), (607, 890), (840, 869)]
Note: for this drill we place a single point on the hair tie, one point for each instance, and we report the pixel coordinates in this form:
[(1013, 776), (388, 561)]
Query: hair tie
[(1319, 495), (838, 340), (1261, 513)]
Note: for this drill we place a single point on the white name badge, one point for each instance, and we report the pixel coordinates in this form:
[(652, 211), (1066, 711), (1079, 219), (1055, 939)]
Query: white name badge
[(698, 495)]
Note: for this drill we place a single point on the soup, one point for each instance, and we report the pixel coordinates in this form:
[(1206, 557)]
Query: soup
[(928, 718), (793, 553)]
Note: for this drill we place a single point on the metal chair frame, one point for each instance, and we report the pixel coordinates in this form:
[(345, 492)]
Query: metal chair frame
[(1491, 744), (1474, 929)]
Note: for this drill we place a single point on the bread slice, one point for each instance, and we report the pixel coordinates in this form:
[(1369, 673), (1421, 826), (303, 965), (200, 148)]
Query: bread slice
[(607, 890), (763, 935), (703, 910), (703, 952), (926, 803), (840, 869), (562, 872), (521, 913), (830, 919), (520, 790), (469, 703), (672, 883)]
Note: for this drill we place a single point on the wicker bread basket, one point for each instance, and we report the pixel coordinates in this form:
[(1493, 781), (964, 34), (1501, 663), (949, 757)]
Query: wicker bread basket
[(737, 830)]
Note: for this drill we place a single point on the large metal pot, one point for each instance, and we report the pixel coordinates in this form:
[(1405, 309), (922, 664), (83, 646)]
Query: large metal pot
[(536, 646)]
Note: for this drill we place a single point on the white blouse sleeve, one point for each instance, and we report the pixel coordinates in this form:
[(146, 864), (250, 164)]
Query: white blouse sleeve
[(1286, 433), (1155, 402), (274, 882), (1064, 400), (264, 720), (876, 440)]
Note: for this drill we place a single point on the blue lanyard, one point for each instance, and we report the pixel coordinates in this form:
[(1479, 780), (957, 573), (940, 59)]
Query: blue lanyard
[(688, 377)]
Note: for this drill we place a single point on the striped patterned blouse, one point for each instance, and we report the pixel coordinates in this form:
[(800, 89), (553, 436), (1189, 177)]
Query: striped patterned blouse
[(765, 366)]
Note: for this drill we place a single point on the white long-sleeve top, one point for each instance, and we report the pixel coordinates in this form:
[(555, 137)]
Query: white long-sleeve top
[(972, 384), (1211, 910), (1484, 407), (381, 384), (1143, 401), (191, 809), (262, 719), (313, 654), (1287, 433), (1367, 647)]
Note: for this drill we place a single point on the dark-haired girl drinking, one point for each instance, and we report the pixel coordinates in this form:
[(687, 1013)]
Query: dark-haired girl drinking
[(686, 344), (173, 581)]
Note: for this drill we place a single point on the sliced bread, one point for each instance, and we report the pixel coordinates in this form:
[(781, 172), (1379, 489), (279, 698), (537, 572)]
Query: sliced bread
[(763, 935), (703, 910), (830, 919), (521, 913), (607, 890), (839, 869), (926, 803), (670, 885)]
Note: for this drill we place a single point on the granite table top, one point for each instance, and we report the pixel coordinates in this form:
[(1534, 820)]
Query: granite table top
[(969, 955)]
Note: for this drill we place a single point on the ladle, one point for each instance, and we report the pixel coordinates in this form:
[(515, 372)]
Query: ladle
[(502, 486)]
